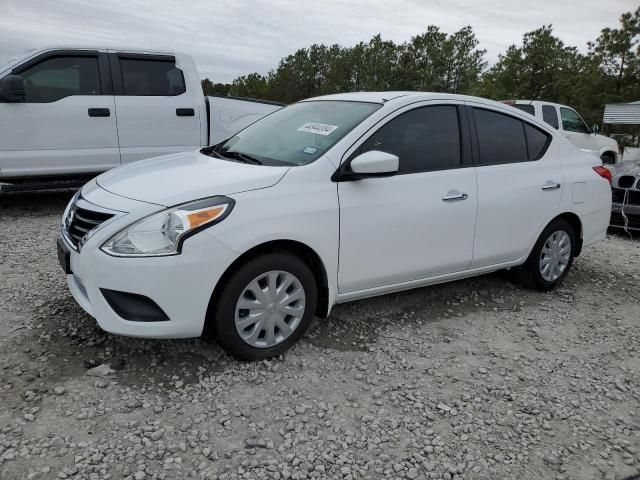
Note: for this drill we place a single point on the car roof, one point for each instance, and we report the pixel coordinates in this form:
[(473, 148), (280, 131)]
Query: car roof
[(116, 48), (383, 97)]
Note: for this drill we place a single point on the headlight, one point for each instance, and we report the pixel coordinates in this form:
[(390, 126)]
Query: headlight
[(163, 233)]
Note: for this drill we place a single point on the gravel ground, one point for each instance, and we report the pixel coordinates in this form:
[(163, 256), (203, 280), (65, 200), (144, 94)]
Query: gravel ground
[(477, 379)]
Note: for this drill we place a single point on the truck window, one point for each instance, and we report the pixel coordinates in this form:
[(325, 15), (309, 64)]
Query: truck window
[(525, 107), (151, 78), (59, 77), (550, 116), (572, 122)]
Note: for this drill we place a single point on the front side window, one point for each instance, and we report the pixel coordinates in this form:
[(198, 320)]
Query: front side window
[(297, 134), (424, 139), (572, 122), (151, 77), (59, 77), (550, 116)]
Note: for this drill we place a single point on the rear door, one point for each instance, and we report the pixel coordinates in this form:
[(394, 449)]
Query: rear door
[(66, 124), (156, 112), (520, 183)]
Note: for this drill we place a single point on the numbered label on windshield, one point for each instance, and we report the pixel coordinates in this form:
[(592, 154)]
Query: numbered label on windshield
[(318, 128)]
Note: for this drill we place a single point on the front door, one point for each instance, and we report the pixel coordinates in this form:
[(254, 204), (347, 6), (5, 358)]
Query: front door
[(419, 223), (576, 130), (66, 124)]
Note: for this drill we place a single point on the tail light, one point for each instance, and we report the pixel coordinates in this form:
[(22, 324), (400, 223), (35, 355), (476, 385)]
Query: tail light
[(603, 172)]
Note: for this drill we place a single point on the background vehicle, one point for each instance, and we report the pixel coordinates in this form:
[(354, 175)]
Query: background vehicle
[(68, 112), (329, 200), (571, 125)]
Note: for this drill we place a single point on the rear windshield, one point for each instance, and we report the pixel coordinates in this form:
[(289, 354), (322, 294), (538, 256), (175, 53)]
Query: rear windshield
[(525, 107), (298, 134)]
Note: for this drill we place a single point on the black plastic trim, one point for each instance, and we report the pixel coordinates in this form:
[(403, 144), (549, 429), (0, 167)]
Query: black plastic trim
[(116, 75), (134, 307), (99, 112), (106, 82), (52, 54), (146, 56)]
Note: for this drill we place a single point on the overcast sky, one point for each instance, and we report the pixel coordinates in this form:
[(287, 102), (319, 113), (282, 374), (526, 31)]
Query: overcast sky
[(229, 38)]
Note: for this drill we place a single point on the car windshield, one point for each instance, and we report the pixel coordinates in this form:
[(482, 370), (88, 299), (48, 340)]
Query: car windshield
[(296, 135)]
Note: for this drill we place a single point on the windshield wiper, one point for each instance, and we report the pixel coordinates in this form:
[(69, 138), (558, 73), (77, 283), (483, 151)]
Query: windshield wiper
[(242, 157)]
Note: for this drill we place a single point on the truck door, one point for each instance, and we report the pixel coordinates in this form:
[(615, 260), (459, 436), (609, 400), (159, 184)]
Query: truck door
[(574, 128), (156, 114), (65, 124)]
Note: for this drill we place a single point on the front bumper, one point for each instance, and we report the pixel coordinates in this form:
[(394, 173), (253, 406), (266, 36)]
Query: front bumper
[(632, 212), (180, 285)]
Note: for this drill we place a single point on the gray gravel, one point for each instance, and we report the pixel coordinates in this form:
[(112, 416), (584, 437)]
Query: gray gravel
[(478, 379)]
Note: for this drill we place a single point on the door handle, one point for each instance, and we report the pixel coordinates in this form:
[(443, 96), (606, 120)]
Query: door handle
[(454, 195), (551, 186), (185, 112), (99, 112)]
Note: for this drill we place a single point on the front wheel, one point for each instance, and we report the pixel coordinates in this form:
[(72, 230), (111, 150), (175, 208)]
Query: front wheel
[(551, 257), (265, 307)]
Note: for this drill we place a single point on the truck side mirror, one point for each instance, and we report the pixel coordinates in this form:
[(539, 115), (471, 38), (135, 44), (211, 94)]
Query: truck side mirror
[(12, 89), (594, 128)]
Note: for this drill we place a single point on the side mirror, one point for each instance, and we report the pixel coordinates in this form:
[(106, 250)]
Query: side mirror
[(12, 89), (595, 128), (374, 164)]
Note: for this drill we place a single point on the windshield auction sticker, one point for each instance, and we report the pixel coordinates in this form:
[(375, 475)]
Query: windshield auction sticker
[(318, 128)]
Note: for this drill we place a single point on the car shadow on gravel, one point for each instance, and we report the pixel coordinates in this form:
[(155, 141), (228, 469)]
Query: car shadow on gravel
[(41, 203), (356, 325)]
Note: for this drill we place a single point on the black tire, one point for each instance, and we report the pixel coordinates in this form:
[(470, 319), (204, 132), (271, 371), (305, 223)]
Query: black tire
[(224, 312), (529, 273)]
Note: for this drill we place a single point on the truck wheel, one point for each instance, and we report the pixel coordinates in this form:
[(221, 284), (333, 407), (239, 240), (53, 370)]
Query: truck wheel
[(551, 257), (265, 307)]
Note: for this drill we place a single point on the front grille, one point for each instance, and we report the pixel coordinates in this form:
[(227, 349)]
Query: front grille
[(617, 220), (81, 221), (633, 198)]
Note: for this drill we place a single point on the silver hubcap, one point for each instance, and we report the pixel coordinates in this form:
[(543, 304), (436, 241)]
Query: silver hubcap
[(555, 255), (269, 309)]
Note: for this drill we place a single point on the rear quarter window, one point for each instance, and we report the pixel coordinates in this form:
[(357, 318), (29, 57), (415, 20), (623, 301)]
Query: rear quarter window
[(550, 115)]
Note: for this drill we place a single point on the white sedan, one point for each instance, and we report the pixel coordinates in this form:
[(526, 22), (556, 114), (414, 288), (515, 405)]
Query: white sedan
[(329, 200)]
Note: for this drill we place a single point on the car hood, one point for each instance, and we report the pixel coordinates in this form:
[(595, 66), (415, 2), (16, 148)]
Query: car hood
[(178, 178)]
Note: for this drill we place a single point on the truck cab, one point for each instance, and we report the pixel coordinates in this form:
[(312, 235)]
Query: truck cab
[(73, 112), (572, 126)]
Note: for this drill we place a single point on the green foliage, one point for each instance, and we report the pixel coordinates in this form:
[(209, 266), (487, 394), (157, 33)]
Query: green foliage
[(542, 67)]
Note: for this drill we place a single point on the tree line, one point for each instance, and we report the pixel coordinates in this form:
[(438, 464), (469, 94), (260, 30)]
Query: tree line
[(542, 67)]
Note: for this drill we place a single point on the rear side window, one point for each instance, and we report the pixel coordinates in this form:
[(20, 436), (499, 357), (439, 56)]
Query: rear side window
[(525, 108), (424, 139), (501, 138), (59, 77), (550, 116), (537, 141), (151, 77)]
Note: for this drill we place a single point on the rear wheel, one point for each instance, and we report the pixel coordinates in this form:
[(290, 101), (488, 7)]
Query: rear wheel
[(265, 307), (551, 257)]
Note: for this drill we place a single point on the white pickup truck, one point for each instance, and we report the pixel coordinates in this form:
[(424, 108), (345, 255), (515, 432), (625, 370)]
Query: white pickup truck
[(571, 125), (75, 112)]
